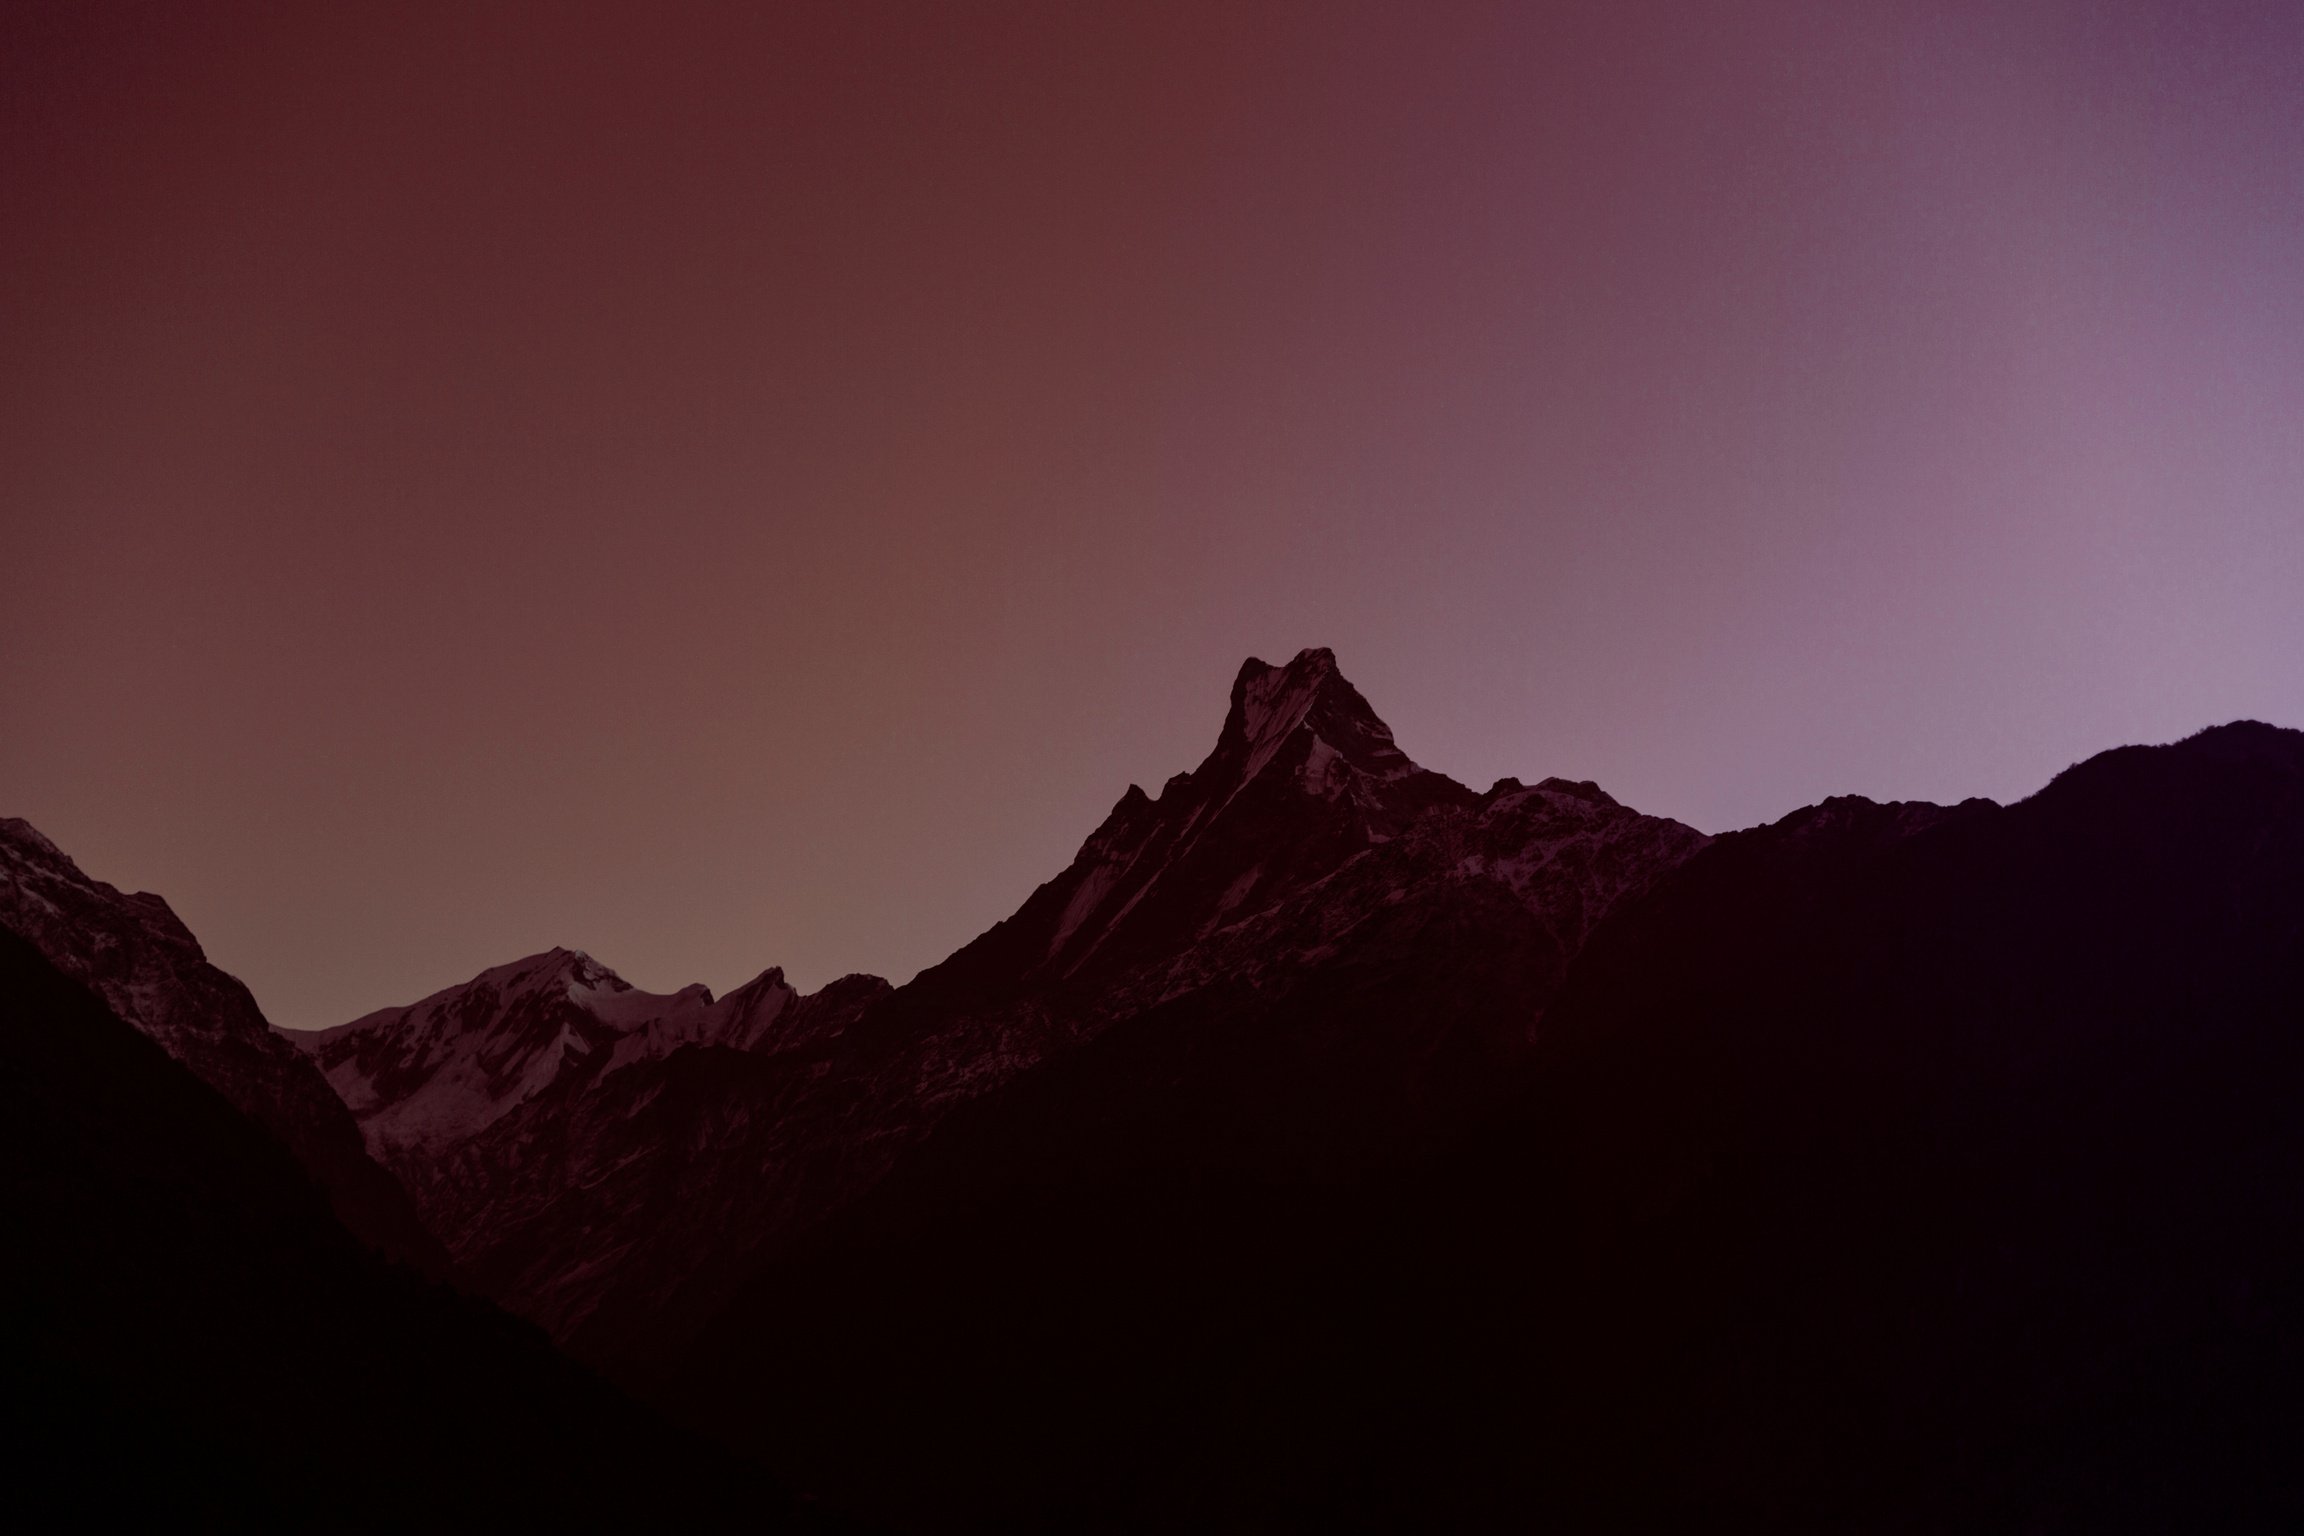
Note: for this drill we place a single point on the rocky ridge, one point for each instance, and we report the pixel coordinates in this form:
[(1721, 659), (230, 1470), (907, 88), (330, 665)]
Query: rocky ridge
[(137, 955), (426, 1078)]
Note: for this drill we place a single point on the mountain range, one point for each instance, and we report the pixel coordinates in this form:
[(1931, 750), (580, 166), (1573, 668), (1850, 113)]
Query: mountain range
[(1332, 1145), (589, 1173)]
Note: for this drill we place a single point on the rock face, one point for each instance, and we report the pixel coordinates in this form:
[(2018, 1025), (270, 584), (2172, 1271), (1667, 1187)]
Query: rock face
[(135, 954), (616, 1166)]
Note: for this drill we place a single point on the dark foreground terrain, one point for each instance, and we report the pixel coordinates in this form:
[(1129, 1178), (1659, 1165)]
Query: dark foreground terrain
[(192, 1339), (1888, 1168)]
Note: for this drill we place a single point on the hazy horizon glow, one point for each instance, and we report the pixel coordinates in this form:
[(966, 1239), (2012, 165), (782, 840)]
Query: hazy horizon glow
[(733, 486)]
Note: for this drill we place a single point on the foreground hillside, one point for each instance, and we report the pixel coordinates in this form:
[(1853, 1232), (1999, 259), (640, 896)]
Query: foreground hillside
[(191, 1339)]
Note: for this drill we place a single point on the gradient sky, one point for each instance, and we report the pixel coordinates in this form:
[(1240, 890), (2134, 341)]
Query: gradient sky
[(747, 485)]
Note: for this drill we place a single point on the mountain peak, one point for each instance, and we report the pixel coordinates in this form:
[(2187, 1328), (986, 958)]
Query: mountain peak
[(435, 1073), (1312, 660), (1303, 776), (1268, 699), (555, 972), (1271, 704)]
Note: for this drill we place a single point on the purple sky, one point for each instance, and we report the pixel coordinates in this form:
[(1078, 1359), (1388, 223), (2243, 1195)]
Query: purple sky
[(721, 490)]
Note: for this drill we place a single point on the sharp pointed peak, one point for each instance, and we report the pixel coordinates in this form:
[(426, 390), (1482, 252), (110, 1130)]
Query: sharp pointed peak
[(1270, 700), (1270, 703), (1260, 687), (1312, 661)]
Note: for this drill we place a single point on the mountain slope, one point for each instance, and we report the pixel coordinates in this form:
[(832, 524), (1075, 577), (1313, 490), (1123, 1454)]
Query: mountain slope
[(1890, 1167), (191, 1340), (1950, 1173), (1091, 1296), (149, 969)]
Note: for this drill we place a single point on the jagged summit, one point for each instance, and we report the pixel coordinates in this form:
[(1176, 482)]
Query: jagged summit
[(1270, 705), (1270, 701), (1303, 777), (1304, 722), (1306, 704)]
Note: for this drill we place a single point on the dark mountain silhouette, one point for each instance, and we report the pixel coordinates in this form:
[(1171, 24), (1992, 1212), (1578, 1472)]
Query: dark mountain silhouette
[(1330, 1146), (138, 955), (190, 1338), (1947, 1173), (615, 1166), (1890, 1167)]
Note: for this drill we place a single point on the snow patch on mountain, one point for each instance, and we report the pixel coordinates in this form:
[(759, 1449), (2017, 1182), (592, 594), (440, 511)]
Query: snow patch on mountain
[(437, 1072)]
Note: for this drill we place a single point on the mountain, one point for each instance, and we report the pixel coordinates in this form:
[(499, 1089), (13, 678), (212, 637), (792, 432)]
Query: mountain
[(424, 1079), (189, 1339), (617, 1167), (1303, 777), (1330, 1146), (1890, 1167), (145, 964), (1946, 1169), (564, 1130)]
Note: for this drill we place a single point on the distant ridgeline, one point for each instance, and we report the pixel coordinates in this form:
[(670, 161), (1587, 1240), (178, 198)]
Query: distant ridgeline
[(1329, 1146)]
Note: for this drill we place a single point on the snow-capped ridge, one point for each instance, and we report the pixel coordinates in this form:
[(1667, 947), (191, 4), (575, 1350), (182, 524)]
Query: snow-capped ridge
[(550, 971), (434, 1073)]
